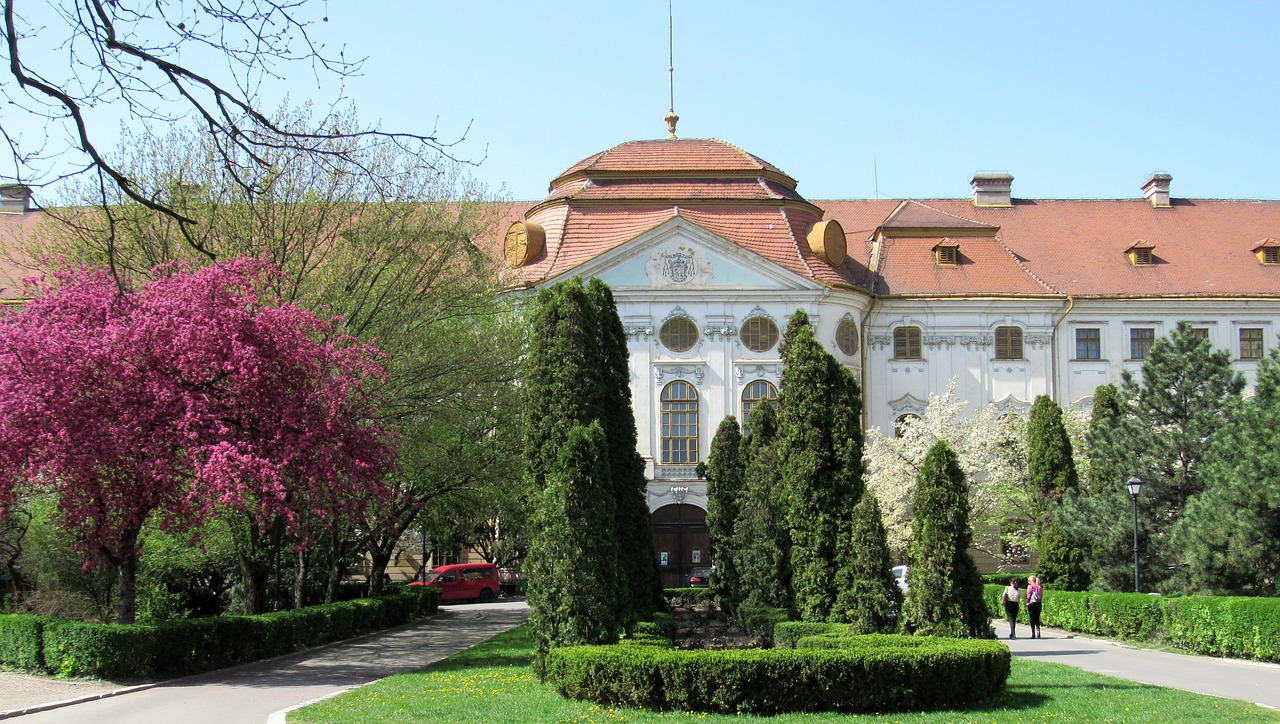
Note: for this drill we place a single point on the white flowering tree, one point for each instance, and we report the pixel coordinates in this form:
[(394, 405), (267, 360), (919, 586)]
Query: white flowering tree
[(993, 453)]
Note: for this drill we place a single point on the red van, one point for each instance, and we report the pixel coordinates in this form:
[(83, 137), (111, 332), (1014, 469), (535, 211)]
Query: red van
[(464, 582)]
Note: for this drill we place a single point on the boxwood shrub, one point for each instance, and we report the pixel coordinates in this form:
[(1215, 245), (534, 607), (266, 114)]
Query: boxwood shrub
[(688, 596), (875, 677), (72, 648)]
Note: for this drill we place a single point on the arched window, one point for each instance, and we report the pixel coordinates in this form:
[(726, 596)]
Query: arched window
[(679, 424), (903, 421), (760, 390), (759, 334), (678, 334)]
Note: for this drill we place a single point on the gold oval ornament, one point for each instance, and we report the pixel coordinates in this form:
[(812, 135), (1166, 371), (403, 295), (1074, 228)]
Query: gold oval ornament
[(524, 242), (826, 239)]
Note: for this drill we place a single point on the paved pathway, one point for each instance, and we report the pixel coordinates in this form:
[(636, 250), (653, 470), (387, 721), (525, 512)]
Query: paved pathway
[(254, 692), (1231, 678), (265, 691)]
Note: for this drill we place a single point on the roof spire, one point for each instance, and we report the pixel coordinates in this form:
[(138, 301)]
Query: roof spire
[(671, 117)]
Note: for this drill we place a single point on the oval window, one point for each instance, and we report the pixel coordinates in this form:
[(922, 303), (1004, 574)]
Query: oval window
[(847, 337), (678, 334), (759, 334)]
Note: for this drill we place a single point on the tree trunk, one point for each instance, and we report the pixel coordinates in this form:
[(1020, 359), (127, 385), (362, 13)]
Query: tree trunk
[(300, 580), (128, 577), (255, 574), (379, 557)]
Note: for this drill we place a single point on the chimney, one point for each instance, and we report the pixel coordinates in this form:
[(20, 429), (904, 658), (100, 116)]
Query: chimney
[(15, 199), (992, 189), (1156, 189)]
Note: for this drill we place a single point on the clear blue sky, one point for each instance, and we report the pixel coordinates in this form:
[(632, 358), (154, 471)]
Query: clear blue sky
[(1076, 100)]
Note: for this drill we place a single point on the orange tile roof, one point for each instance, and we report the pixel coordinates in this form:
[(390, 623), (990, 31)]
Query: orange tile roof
[(701, 155), (985, 266)]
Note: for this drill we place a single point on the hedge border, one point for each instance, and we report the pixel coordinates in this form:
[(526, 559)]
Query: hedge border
[(75, 648), (1227, 626), (881, 674)]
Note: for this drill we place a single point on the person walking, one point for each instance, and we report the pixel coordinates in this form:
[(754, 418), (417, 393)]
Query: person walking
[(1011, 598), (1035, 596)]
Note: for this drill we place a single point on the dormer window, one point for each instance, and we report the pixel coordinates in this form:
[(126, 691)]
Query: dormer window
[(946, 253), (1141, 254), (1268, 252)]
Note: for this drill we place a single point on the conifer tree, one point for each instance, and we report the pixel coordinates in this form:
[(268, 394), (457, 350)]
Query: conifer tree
[(572, 563), (759, 535), (1229, 534), (946, 596), (821, 474), (1106, 415), (1186, 394), (869, 596), (642, 581), (1051, 472), (724, 472)]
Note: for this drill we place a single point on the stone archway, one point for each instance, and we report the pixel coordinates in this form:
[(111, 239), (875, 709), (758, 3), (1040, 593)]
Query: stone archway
[(680, 532)]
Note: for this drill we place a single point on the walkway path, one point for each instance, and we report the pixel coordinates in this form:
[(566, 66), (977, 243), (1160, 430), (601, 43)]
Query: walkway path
[(265, 691), (254, 692), (1231, 678)]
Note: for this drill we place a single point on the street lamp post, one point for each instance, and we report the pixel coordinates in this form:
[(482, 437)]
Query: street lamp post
[(1135, 486)]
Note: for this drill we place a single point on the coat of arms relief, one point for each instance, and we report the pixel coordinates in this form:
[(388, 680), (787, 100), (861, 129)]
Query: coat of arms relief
[(679, 266)]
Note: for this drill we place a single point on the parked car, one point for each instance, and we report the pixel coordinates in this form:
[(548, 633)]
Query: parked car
[(700, 578), (900, 575), (464, 582)]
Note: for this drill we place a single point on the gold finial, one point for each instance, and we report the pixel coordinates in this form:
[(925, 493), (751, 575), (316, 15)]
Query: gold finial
[(671, 117)]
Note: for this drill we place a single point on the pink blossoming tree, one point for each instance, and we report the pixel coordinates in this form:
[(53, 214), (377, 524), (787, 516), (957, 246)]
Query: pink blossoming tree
[(190, 395)]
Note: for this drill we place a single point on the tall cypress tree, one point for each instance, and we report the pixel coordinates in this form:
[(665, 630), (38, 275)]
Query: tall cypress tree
[(821, 474), (572, 563), (869, 596), (759, 532), (1051, 472), (642, 594), (1103, 472), (946, 597), (724, 472)]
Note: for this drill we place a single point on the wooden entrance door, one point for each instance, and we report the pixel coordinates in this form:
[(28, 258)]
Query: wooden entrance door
[(680, 541)]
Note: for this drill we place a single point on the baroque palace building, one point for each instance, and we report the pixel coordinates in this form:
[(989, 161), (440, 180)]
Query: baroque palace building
[(709, 250)]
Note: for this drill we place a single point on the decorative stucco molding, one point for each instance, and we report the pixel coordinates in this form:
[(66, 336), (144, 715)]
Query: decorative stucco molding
[(908, 405), (1010, 405), (974, 342), (760, 369), (879, 342), (696, 370), (678, 266), (939, 341)]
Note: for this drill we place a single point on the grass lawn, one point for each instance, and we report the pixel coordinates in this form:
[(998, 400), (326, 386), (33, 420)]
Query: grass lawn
[(492, 683)]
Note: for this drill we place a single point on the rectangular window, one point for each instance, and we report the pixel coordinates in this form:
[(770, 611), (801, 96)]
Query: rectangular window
[(1008, 342), (1251, 343), (1271, 255), (1200, 332), (948, 255), (1089, 343), (1140, 341), (906, 343)]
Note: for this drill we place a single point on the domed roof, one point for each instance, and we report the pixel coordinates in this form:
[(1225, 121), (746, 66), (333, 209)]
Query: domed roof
[(673, 158)]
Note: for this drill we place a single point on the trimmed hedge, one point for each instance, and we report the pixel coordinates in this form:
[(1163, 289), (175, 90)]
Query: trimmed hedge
[(885, 673), (1231, 626), (20, 642), (662, 625), (73, 648)]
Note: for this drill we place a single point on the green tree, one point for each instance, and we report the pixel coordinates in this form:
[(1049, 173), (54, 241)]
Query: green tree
[(572, 565), (946, 596), (725, 473), (1229, 534), (1103, 472), (869, 596), (759, 535), (1187, 393), (1051, 471), (820, 456), (641, 579)]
